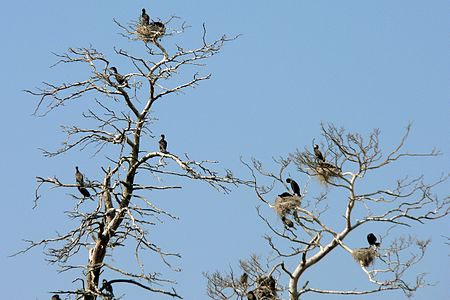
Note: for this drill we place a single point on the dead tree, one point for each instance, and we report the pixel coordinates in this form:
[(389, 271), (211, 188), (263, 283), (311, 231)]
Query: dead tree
[(344, 179), (119, 101)]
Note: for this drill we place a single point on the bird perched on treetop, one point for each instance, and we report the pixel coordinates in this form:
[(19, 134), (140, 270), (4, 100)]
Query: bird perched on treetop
[(120, 79), (294, 186), (145, 19), (163, 144), (372, 239), (56, 297), (318, 154)]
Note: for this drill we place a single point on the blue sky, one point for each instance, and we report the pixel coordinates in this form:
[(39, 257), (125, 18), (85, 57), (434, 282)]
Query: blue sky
[(357, 64)]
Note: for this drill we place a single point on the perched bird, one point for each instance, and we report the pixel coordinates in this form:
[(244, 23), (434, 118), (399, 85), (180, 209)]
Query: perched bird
[(107, 287), (244, 278), (318, 154), (119, 78), (294, 186), (79, 177), (285, 194), (56, 297), (372, 239), (80, 181), (287, 222), (251, 296), (145, 19), (84, 191), (163, 144)]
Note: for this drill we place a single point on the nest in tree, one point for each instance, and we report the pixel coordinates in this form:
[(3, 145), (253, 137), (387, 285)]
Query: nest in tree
[(327, 172), (266, 288), (286, 204), (151, 32), (365, 256)]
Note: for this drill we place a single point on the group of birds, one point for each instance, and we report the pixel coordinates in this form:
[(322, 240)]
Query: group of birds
[(79, 177)]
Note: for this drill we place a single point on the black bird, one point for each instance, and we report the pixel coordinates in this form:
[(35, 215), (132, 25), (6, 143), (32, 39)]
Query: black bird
[(372, 239), (163, 144), (120, 79), (287, 222), (145, 19), (56, 297), (84, 191), (244, 279), (294, 186), (251, 296), (285, 194), (79, 177), (318, 154), (107, 287), (80, 181)]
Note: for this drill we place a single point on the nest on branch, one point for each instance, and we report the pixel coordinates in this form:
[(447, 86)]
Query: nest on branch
[(326, 172), (365, 256), (286, 204), (150, 32)]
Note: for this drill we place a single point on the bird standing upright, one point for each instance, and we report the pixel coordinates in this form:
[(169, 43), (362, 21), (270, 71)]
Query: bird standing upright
[(318, 154), (294, 186), (145, 19), (372, 239), (119, 78), (244, 278), (163, 144), (79, 178)]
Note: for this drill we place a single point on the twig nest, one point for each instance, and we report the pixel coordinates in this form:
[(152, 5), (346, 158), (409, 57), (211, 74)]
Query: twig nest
[(287, 204), (151, 32), (266, 288), (326, 171), (365, 256)]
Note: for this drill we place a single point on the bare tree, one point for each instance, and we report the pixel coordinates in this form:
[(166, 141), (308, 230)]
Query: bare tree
[(307, 233), (117, 123)]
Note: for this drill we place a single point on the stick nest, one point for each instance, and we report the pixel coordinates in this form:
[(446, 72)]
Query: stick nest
[(326, 172), (365, 256), (150, 32), (286, 205)]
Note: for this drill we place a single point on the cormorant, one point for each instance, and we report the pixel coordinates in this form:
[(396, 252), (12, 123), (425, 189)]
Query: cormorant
[(56, 297), (285, 194), (107, 287), (287, 222), (163, 144), (84, 191), (244, 279), (318, 154), (80, 181), (294, 186), (145, 19), (79, 177), (120, 79), (251, 296), (372, 239)]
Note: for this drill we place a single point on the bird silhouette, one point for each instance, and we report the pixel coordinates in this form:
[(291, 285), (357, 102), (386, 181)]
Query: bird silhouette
[(121, 80), (318, 154), (145, 19), (79, 178), (294, 186), (163, 144), (372, 239)]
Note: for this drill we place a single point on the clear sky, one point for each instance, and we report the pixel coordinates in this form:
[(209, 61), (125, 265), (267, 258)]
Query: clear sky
[(358, 64)]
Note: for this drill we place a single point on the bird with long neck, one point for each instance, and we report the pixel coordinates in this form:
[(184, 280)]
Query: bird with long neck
[(145, 19), (294, 186), (163, 144), (121, 80), (318, 154)]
